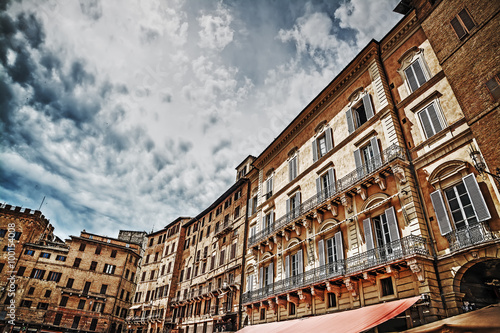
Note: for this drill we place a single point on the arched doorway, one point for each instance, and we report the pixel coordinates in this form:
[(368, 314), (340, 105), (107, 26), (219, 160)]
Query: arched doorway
[(481, 283)]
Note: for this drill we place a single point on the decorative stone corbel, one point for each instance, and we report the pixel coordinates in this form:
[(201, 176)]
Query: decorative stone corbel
[(297, 228), (391, 270), (416, 269), (262, 248), (362, 192), (281, 301), (352, 286), (399, 172), (293, 299), (307, 223), (380, 180), (270, 244), (248, 310), (256, 307), (317, 294), (276, 239), (333, 288), (333, 208), (369, 277), (318, 215), (272, 305), (286, 233), (346, 202), (264, 305), (305, 297)]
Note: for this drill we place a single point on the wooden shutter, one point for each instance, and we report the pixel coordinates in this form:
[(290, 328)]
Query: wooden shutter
[(301, 261), (328, 139), (494, 88), (376, 151), (459, 29), (318, 189), (297, 204), (466, 19), (426, 123), (290, 170), (434, 117), (441, 213), (392, 221), (287, 267), (250, 282), (263, 223), (331, 177), (367, 103), (321, 253), (271, 218), (315, 150), (338, 245), (476, 198), (295, 166), (350, 122), (261, 277), (359, 163), (270, 273), (288, 208), (367, 226)]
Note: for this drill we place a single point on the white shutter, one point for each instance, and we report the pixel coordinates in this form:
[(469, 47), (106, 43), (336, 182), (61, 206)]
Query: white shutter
[(376, 151), (261, 277), (250, 282), (295, 167), (270, 273), (331, 176), (359, 163), (476, 198), (315, 150), (392, 221), (287, 267), (318, 189), (290, 170), (350, 122), (321, 253), (328, 139), (288, 208), (271, 218), (367, 103), (367, 226), (441, 213), (338, 245), (434, 117), (263, 223), (301, 262)]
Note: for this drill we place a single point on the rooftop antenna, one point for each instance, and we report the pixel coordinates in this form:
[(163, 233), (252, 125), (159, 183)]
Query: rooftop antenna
[(153, 228), (41, 203)]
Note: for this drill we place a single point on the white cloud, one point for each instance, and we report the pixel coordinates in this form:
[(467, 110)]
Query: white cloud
[(216, 32)]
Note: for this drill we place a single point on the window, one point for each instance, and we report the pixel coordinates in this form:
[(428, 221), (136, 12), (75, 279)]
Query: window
[(156, 256), (93, 324), (82, 247), (333, 253), (186, 245), (77, 262), (54, 276), (152, 275), (3, 232), (291, 308), (493, 86), (233, 251), (17, 235), (98, 249), (29, 252), (26, 304), (70, 282), (236, 215), (122, 293), (386, 286), (147, 258), (222, 257), (359, 113), (252, 205), (31, 290), (293, 206), (127, 272), (269, 187), (143, 278), (76, 321), (242, 172), (212, 263), (48, 292), (109, 269), (57, 319), (61, 258), (237, 195), (383, 234), (322, 144), (93, 265), (325, 185), (86, 287), (21, 270), (367, 158), (431, 120), (294, 266), (45, 255), (104, 288), (266, 275), (113, 254), (332, 300), (64, 301), (292, 168), (415, 74), (81, 304), (462, 24), (37, 273), (262, 314)]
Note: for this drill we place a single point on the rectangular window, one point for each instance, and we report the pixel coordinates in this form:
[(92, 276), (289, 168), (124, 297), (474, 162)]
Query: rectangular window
[(82, 247), (462, 24), (113, 254), (42, 306), (109, 269), (77, 262), (387, 287), (262, 314), (26, 304), (61, 258), (431, 120), (31, 291), (54, 276), (81, 304), (233, 251), (76, 321), (29, 252), (104, 288), (37, 274), (21, 270), (292, 168), (45, 255), (493, 86), (93, 324), (222, 257), (460, 205), (293, 206), (57, 319), (64, 301), (70, 282), (332, 300), (3, 232), (358, 114), (98, 249), (415, 75), (291, 308), (86, 288), (93, 265), (269, 187)]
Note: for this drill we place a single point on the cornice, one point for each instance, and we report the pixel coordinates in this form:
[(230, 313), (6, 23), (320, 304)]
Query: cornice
[(394, 37)]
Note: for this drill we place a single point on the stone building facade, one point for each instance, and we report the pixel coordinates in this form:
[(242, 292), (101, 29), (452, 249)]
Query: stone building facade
[(84, 284), (157, 279)]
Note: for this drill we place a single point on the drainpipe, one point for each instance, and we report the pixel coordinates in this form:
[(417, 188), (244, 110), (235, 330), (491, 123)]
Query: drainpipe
[(245, 237)]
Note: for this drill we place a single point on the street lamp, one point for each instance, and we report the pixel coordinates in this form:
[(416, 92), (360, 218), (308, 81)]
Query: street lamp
[(480, 165)]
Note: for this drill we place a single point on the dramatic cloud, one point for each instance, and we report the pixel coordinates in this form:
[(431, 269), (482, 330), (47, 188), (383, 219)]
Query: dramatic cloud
[(125, 115)]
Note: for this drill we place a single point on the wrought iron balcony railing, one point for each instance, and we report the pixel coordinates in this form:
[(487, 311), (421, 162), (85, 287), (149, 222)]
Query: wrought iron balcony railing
[(394, 251), (223, 228), (371, 166), (469, 236)]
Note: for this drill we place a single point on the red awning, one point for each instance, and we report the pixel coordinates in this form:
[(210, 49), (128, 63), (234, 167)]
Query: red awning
[(357, 320)]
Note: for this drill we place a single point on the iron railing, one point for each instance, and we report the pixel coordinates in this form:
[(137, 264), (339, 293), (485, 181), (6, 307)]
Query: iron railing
[(393, 251), (226, 225), (474, 234), (389, 154)]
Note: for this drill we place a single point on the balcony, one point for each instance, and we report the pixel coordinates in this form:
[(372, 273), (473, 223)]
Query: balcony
[(343, 185), (395, 251), (472, 235), (224, 228)]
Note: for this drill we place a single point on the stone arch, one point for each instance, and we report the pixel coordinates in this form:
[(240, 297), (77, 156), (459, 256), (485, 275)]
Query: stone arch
[(446, 170), (329, 223), (266, 256), (294, 241), (373, 199)]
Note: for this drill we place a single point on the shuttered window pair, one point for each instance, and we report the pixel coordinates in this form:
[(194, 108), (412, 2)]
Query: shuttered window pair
[(323, 144), (250, 282), (431, 120), (294, 264), (462, 24), (359, 114), (293, 206), (464, 202), (266, 275), (325, 185), (381, 231), (415, 74), (292, 168), (268, 222), (334, 250), (368, 158)]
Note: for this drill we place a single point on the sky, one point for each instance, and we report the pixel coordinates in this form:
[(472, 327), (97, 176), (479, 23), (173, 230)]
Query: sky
[(127, 114)]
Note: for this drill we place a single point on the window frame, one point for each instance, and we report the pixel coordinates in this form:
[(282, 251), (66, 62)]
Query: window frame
[(463, 25), (439, 115)]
